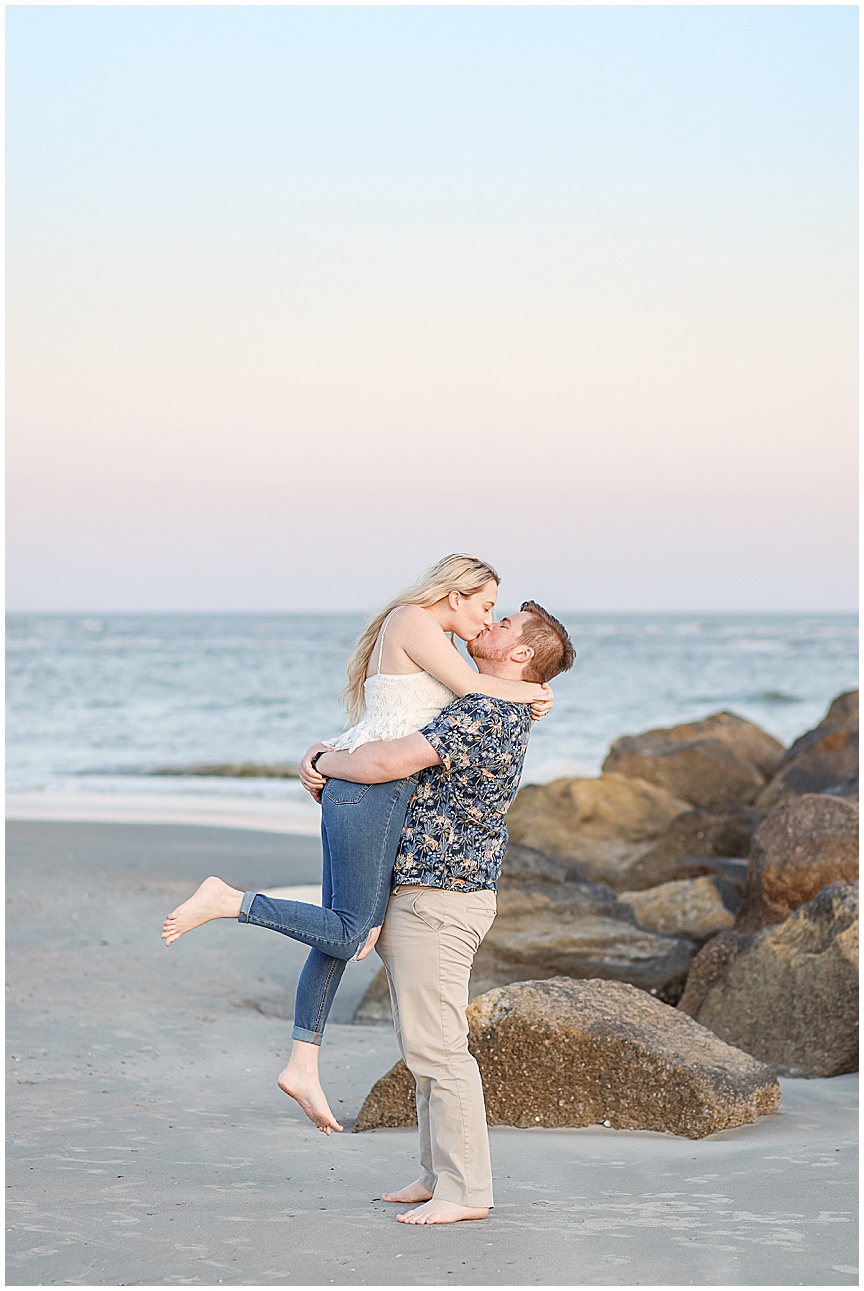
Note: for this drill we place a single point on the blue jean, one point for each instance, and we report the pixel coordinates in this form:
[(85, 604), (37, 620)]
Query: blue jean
[(360, 829)]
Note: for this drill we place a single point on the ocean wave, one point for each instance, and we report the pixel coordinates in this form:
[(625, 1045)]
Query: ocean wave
[(761, 645), (233, 770), (202, 770), (772, 697)]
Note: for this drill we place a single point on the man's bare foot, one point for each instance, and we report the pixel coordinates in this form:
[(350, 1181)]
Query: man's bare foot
[(306, 1090), (414, 1192), (442, 1212), (213, 900), (369, 946)]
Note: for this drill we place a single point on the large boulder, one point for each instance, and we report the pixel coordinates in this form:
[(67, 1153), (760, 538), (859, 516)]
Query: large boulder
[(723, 759), (802, 845), (390, 1102), (594, 827), (788, 995), (822, 760), (693, 908), (574, 1053), (689, 840), (575, 929)]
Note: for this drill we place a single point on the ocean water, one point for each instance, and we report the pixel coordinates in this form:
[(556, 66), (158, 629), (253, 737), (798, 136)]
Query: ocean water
[(101, 702)]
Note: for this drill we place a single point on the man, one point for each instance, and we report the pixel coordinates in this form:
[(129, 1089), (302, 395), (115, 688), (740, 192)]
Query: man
[(469, 761)]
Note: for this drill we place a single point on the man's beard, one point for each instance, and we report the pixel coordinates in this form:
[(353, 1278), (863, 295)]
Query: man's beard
[(478, 649)]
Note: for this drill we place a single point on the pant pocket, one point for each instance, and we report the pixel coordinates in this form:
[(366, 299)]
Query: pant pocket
[(477, 913), (427, 906)]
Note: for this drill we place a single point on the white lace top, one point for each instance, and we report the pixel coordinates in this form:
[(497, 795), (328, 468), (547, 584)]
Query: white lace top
[(397, 704)]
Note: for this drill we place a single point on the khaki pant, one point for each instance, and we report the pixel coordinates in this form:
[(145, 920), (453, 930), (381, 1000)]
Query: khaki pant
[(428, 943)]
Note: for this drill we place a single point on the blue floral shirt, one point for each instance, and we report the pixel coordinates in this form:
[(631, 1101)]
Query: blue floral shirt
[(454, 834)]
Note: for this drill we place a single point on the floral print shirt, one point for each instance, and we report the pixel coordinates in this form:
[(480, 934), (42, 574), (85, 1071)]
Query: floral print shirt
[(454, 834)]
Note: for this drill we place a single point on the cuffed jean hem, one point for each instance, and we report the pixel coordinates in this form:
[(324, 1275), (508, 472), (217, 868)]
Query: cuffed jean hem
[(246, 906), (311, 1037)]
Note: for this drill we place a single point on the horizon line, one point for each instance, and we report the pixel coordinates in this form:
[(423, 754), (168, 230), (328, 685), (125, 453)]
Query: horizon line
[(106, 613)]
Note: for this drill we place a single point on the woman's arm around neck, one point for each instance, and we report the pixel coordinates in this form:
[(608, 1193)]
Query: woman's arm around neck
[(417, 633)]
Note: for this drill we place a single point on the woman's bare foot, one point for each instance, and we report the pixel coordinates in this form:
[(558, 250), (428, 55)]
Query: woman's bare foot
[(369, 946), (414, 1192), (300, 1081), (442, 1212), (306, 1090), (213, 900)]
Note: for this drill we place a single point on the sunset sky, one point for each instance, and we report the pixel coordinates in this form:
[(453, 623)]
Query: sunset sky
[(301, 299)]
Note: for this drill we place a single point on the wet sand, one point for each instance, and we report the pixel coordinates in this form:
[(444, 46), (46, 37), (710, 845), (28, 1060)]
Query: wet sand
[(148, 1143)]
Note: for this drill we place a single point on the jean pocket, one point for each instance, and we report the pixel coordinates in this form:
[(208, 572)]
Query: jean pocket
[(345, 791)]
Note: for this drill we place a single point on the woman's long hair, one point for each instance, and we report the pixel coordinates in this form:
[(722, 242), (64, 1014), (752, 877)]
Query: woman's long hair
[(465, 574)]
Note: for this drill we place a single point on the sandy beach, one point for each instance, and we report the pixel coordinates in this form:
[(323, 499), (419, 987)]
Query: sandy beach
[(148, 1143)]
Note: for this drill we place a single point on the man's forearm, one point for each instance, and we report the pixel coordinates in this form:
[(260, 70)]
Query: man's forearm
[(380, 761), (362, 766)]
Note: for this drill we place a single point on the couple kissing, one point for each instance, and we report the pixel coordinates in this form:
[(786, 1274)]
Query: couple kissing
[(413, 799)]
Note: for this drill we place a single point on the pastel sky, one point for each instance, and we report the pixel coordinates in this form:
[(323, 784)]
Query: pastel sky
[(301, 299)]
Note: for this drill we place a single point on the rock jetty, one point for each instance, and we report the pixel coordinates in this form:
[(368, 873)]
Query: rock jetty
[(706, 865)]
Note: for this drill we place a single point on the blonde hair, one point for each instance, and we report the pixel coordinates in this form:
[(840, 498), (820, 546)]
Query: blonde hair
[(465, 574)]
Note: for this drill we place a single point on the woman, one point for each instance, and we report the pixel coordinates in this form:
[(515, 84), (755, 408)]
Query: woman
[(402, 673)]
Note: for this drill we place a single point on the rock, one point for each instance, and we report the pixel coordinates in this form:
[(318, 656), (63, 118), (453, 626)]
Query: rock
[(847, 789), (823, 759), (598, 826), (527, 864), (788, 995), (802, 845), (550, 938), (573, 1053), (550, 901), (692, 837), (390, 1102), (723, 759), (374, 1006), (573, 929), (708, 967), (693, 908), (843, 711), (733, 868)]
